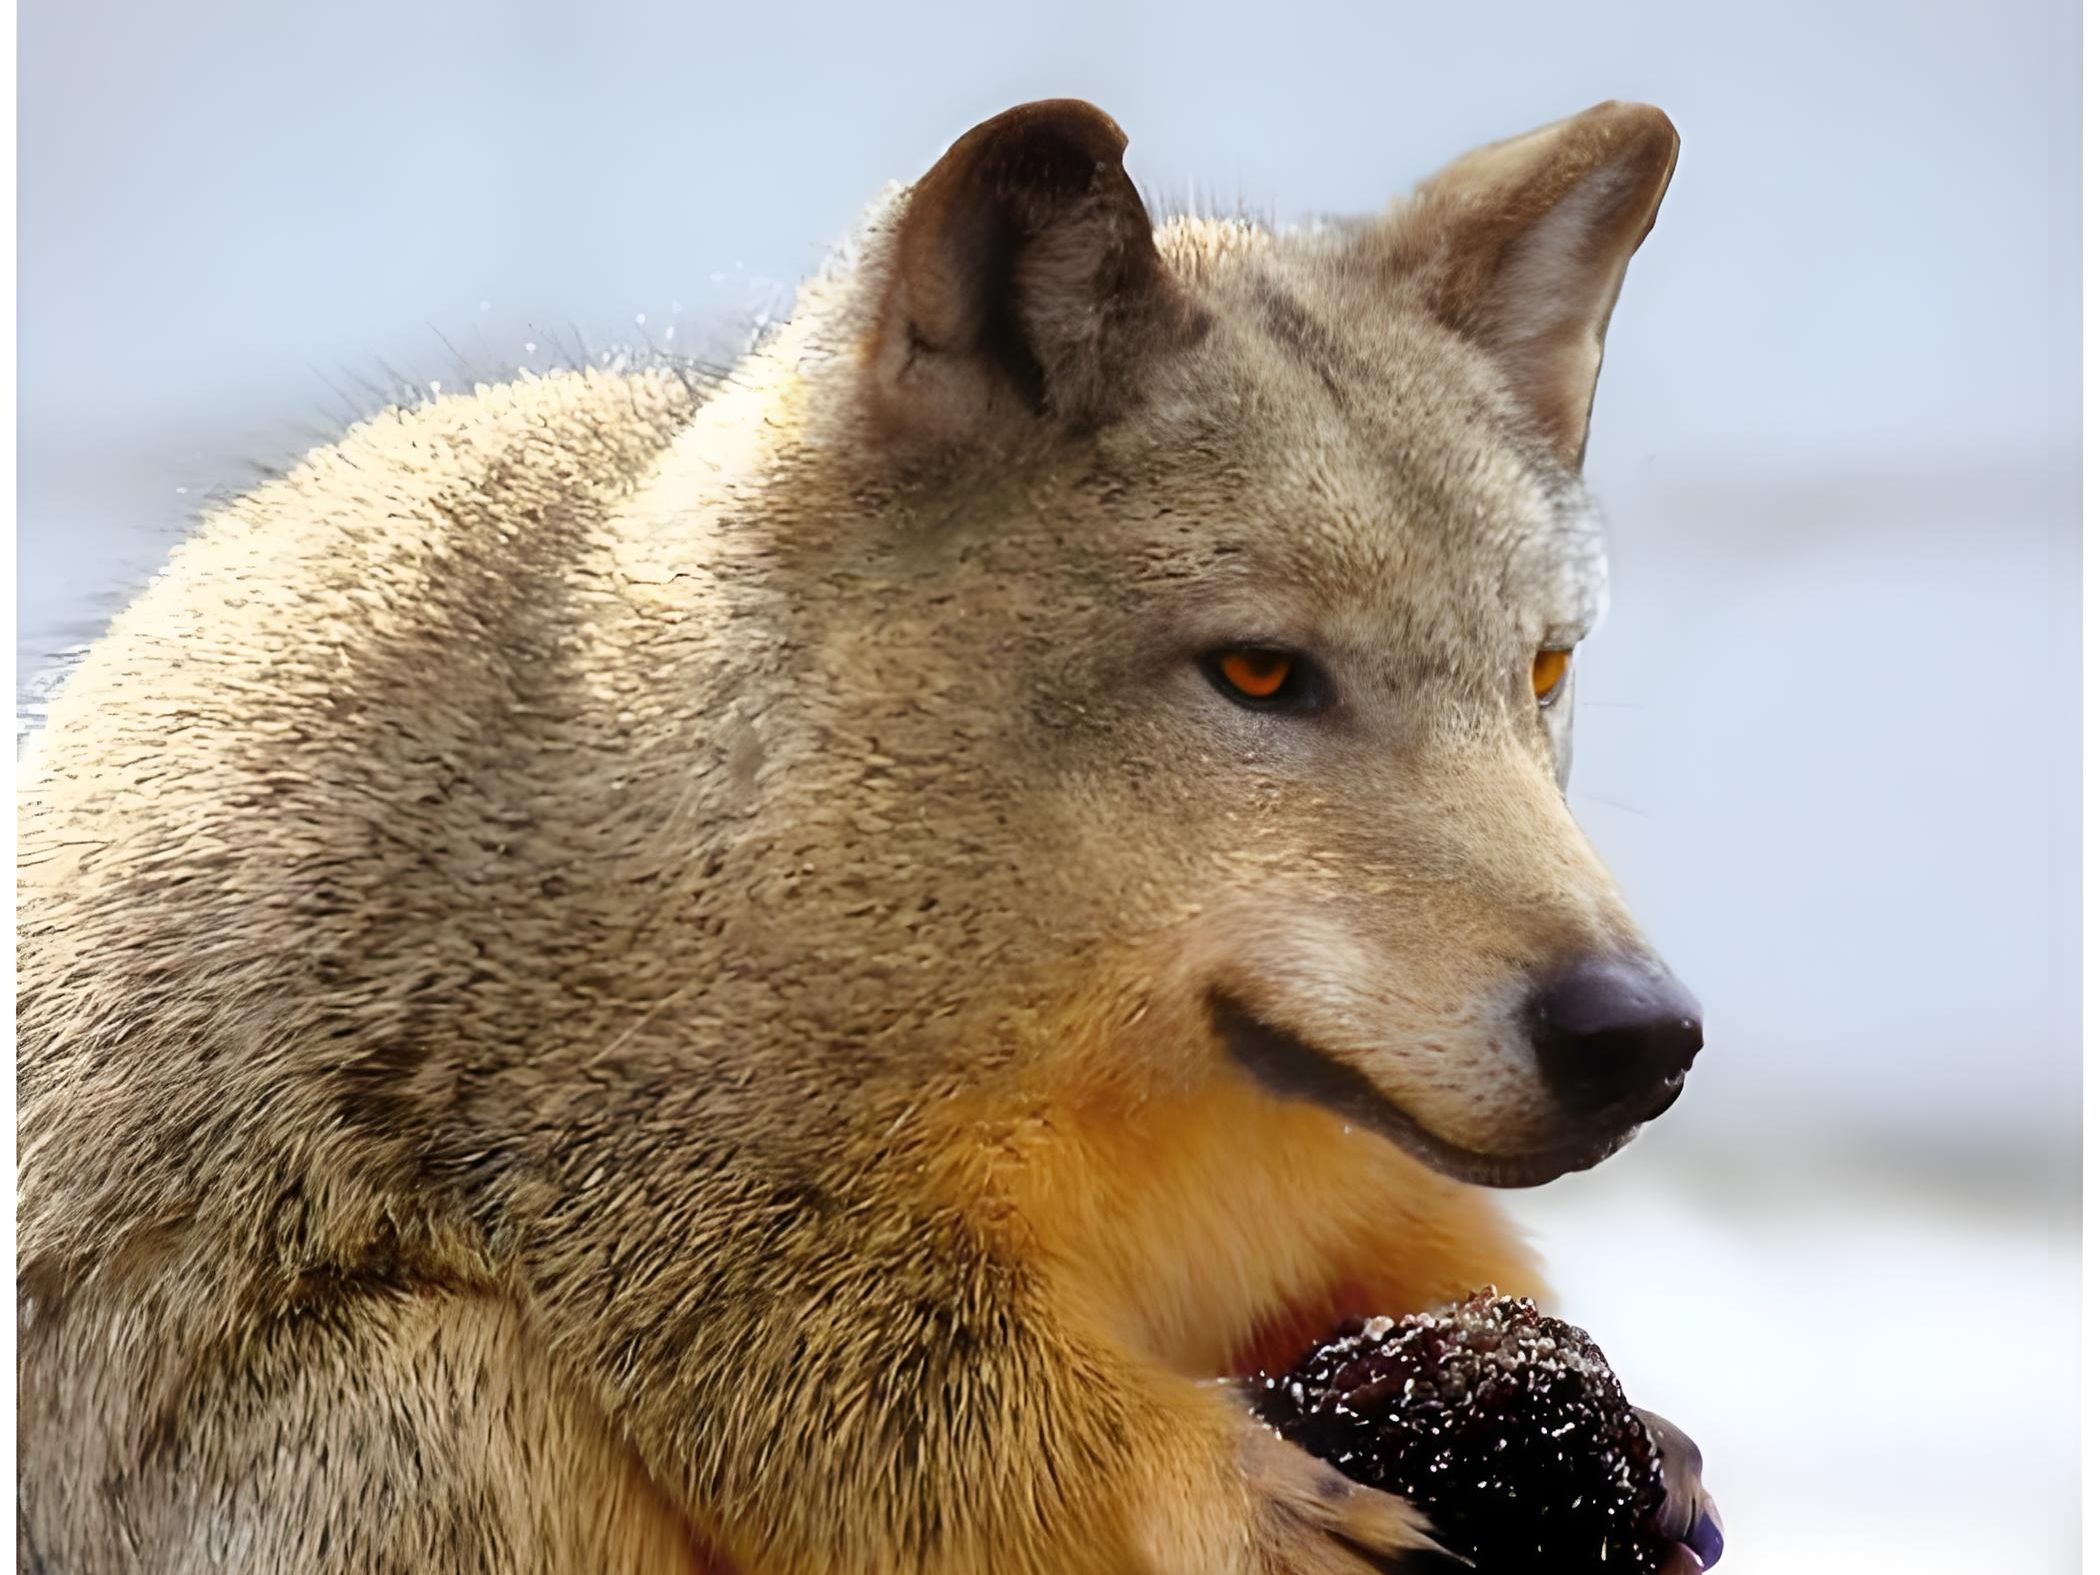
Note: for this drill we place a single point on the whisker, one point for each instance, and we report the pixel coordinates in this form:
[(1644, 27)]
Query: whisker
[(1610, 803)]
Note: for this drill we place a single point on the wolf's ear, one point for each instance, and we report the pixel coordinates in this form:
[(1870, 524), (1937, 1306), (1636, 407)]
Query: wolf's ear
[(1521, 246), (1024, 283)]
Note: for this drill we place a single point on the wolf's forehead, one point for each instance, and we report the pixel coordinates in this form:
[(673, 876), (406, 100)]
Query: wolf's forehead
[(1440, 554), (1369, 451)]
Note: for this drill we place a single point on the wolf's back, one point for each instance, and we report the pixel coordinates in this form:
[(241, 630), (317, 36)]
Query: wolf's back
[(252, 833)]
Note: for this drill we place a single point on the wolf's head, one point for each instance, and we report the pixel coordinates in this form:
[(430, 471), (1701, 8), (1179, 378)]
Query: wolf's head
[(1214, 626)]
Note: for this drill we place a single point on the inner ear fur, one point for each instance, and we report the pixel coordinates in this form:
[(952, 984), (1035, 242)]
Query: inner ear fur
[(1522, 245), (1024, 284)]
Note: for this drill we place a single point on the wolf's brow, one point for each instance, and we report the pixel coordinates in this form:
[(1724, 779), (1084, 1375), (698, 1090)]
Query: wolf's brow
[(1299, 332)]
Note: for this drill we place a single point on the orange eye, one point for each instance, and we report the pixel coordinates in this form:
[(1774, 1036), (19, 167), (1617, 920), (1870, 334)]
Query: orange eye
[(1549, 670), (1258, 675)]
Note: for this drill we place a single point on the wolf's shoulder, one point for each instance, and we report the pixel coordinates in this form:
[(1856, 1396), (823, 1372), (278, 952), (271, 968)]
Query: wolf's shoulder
[(501, 457), (442, 522)]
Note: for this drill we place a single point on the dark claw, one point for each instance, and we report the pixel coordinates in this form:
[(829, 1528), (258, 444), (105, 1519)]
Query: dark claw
[(1686, 1513), (1705, 1539), (1673, 1440)]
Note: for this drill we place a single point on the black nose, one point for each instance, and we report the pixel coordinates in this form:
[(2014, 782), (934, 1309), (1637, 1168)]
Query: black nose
[(1608, 1032)]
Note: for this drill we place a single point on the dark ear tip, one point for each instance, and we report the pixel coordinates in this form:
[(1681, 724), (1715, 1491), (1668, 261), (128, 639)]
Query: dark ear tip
[(1070, 122), (1641, 130)]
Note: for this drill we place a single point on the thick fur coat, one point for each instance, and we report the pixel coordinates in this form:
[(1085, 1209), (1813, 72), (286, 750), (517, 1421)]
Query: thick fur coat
[(619, 970)]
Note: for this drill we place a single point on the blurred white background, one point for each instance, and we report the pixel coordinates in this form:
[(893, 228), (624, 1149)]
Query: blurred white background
[(1828, 737)]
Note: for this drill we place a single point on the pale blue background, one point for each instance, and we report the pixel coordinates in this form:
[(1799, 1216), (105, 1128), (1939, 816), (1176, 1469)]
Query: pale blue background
[(1828, 736)]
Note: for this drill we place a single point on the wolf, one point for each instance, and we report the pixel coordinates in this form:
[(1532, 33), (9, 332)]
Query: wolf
[(621, 971)]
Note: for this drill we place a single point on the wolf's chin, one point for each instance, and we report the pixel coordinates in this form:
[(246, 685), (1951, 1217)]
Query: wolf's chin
[(1289, 1068)]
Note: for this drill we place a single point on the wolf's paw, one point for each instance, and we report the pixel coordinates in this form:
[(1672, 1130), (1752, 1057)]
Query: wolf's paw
[(1687, 1515), (1315, 1521)]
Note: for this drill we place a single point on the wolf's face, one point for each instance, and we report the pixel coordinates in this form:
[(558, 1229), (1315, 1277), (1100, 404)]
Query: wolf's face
[(1272, 584), (1352, 583)]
